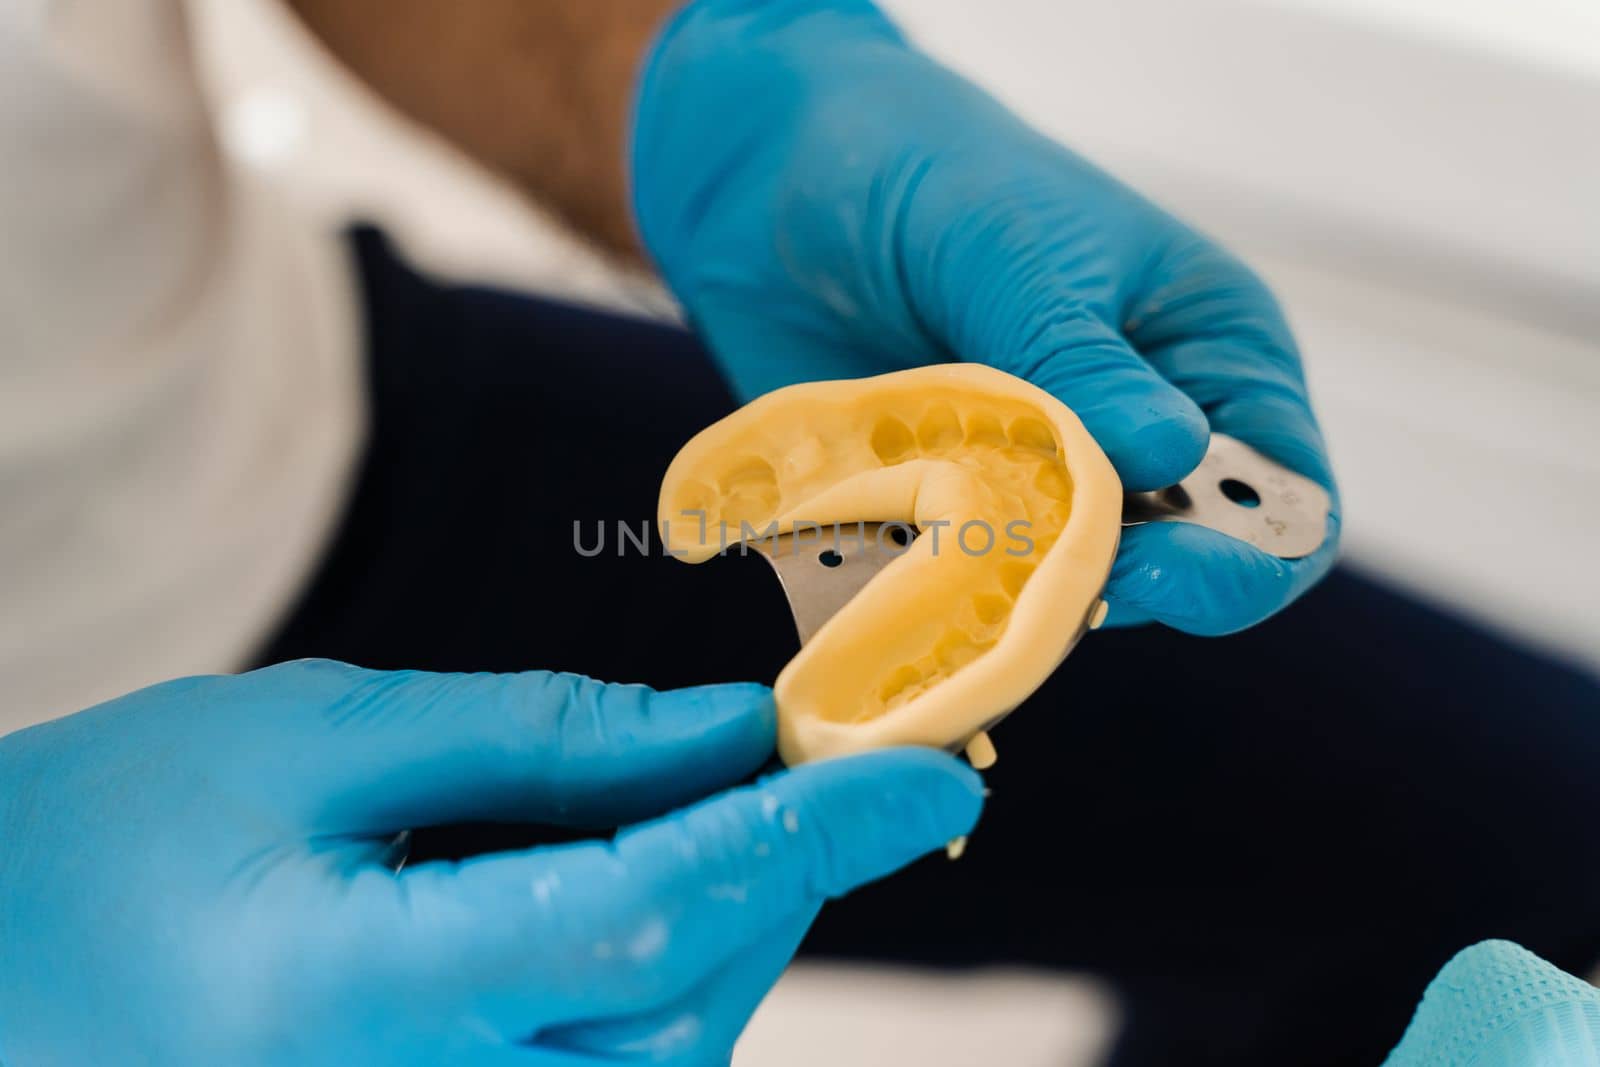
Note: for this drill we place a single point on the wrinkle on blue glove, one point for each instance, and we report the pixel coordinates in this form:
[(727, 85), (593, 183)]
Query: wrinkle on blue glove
[(828, 202), (1498, 1005)]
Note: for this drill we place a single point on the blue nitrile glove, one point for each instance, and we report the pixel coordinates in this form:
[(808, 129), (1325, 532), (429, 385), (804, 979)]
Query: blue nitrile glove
[(1498, 1005), (828, 202), (196, 874)]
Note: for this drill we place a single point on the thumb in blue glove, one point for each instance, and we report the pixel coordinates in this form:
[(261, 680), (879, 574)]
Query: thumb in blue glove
[(1498, 1005), (828, 202), (198, 873)]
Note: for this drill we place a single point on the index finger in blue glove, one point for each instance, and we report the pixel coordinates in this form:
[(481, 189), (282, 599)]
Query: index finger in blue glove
[(1212, 329), (612, 929), (379, 751), (1150, 430), (1021, 282)]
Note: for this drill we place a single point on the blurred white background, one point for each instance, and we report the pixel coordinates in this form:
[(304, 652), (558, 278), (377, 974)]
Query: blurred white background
[(1419, 180)]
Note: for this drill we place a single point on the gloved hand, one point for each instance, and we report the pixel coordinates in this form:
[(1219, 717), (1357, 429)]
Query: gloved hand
[(827, 202), (195, 874), (1498, 1005)]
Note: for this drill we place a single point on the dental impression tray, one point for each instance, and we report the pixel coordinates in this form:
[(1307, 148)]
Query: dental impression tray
[(943, 535)]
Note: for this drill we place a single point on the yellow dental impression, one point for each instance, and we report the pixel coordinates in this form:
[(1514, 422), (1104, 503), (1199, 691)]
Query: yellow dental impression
[(1018, 511)]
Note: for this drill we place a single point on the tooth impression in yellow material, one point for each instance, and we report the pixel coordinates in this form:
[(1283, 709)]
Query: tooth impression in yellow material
[(1020, 512)]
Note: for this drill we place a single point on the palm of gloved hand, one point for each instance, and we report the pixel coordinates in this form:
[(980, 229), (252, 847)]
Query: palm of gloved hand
[(827, 202), (197, 873)]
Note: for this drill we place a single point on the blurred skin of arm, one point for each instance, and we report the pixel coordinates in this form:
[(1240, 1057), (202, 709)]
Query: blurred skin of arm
[(538, 90)]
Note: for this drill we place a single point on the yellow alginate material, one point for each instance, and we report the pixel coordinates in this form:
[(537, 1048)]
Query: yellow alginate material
[(946, 639)]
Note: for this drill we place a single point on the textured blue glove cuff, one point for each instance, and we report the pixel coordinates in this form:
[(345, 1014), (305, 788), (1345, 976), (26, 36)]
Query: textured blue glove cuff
[(1497, 1005)]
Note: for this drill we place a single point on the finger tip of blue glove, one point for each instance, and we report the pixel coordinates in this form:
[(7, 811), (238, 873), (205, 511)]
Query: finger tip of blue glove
[(744, 710), (867, 815), (942, 785)]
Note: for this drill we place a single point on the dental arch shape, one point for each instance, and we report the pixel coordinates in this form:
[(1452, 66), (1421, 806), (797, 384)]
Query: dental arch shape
[(1021, 515)]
